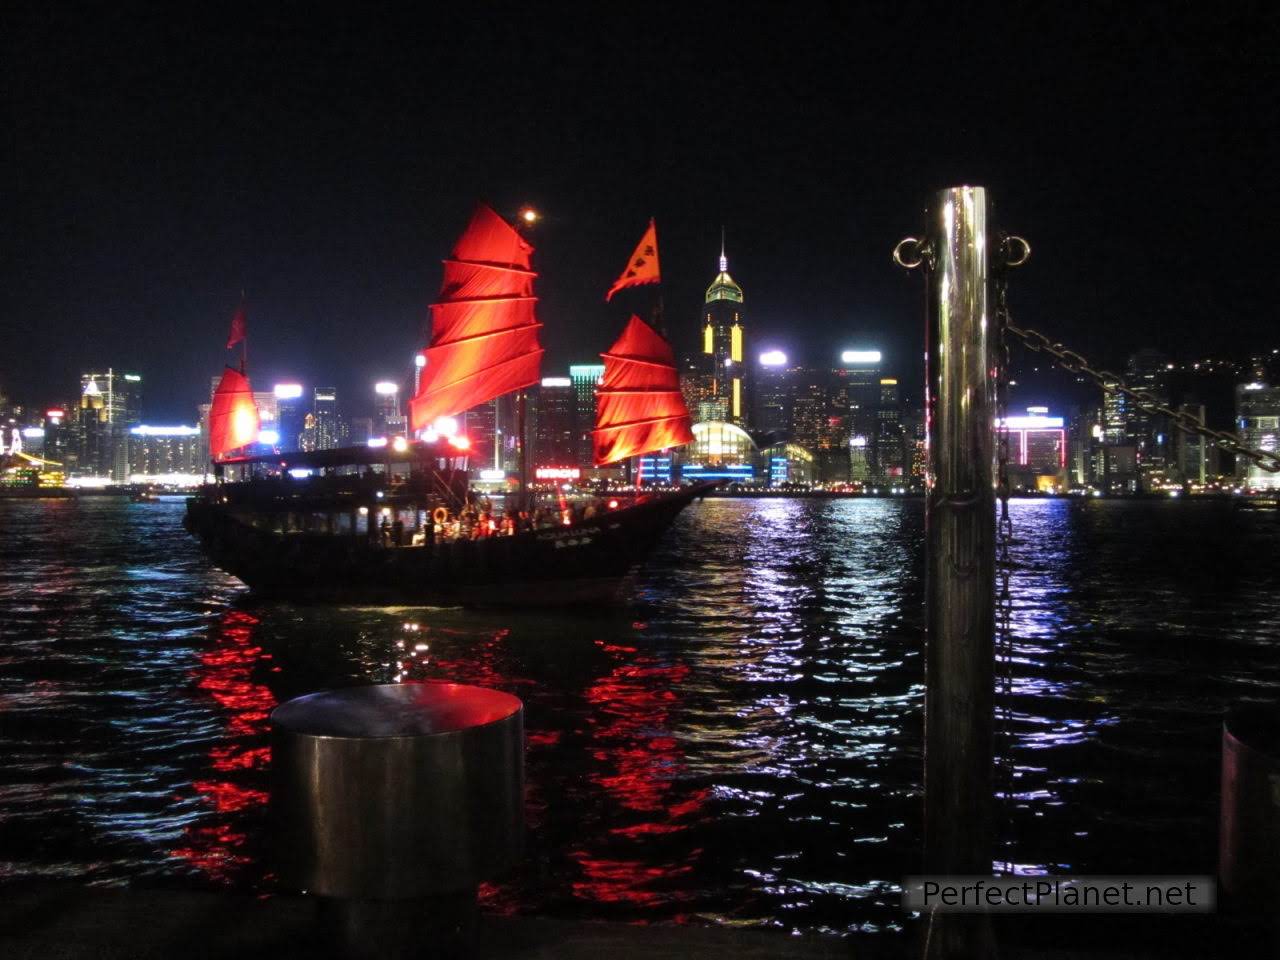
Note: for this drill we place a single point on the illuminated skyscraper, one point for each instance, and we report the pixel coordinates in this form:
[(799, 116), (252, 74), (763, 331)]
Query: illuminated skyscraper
[(893, 453), (585, 377), (110, 404), (723, 342), (387, 419), (325, 411), (554, 435), (159, 451), (1195, 459), (1148, 434), (773, 393), (290, 413), (1258, 424)]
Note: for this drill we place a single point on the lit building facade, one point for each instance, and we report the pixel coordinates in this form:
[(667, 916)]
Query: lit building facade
[(788, 464), (387, 419), (110, 405), (1195, 459), (290, 412), (719, 451), (585, 378), (772, 393), (1258, 425), (324, 410), (555, 438), (724, 344), (166, 452), (1038, 451)]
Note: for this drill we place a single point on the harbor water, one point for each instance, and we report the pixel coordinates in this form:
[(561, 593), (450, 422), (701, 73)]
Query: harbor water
[(740, 745)]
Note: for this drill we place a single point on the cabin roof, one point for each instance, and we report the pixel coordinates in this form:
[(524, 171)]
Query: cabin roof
[(347, 456)]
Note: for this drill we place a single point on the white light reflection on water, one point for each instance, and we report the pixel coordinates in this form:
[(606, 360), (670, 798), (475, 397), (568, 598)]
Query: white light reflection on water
[(742, 745)]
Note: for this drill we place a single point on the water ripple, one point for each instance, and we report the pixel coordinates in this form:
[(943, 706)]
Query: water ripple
[(743, 745)]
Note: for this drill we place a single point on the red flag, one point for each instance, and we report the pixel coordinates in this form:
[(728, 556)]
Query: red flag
[(238, 322), (643, 266)]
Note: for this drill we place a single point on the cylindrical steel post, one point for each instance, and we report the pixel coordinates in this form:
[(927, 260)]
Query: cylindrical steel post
[(960, 522), (397, 791), (391, 804), (1249, 844)]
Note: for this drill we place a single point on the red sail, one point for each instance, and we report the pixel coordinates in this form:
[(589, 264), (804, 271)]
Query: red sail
[(233, 418), (484, 335), (639, 407)]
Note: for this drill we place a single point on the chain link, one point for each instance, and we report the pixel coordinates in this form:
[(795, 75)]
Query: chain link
[(1004, 562), (1113, 383)]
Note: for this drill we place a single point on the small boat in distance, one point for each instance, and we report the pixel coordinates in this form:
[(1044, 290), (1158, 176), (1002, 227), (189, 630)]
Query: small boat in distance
[(399, 523)]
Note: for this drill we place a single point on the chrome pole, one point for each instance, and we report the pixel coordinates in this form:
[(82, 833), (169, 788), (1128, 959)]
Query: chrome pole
[(960, 407), (960, 530)]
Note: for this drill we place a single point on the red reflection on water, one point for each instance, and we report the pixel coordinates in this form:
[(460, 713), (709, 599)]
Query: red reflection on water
[(214, 851), (622, 881), (226, 674), (631, 729)]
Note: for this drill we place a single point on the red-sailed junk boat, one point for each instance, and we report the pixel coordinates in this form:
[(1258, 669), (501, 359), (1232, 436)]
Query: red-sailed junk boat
[(382, 525)]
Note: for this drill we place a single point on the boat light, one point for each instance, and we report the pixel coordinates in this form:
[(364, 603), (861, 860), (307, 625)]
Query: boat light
[(446, 426), (399, 444), (460, 442), (377, 441)]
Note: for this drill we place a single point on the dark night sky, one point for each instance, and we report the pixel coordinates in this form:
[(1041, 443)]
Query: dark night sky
[(155, 164)]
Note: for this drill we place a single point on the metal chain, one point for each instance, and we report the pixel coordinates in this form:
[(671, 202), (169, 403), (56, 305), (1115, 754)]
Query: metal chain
[(1112, 383), (1004, 563)]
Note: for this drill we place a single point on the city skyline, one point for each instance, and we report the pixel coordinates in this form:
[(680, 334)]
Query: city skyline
[(325, 179)]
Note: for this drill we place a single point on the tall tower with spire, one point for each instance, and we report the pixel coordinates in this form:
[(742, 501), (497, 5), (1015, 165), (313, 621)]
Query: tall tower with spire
[(724, 343)]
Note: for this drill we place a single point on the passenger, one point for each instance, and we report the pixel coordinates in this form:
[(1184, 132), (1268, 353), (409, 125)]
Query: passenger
[(524, 523), (397, 532), (508, 525), (590, 512), (384, 528)]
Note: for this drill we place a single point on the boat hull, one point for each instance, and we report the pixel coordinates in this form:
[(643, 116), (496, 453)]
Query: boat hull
[(590, 562)]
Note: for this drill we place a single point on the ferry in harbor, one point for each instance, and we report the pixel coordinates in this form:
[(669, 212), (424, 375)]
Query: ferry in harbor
[(399, 523)]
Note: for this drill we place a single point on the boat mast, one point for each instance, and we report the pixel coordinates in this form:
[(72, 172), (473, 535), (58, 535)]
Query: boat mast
[(522, 447)]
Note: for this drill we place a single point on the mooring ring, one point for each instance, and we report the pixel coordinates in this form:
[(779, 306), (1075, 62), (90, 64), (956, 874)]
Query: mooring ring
[(900, 250), (1012, 241)]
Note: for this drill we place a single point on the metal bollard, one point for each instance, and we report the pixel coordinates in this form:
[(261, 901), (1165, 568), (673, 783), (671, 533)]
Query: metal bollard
[(392, 803), (1249, 841)]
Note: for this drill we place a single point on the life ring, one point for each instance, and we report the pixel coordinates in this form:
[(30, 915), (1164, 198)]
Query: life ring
[(440, 515)]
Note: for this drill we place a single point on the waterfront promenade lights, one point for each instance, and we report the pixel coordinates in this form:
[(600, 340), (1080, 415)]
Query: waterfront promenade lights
[(860, 356), (529, 216)]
